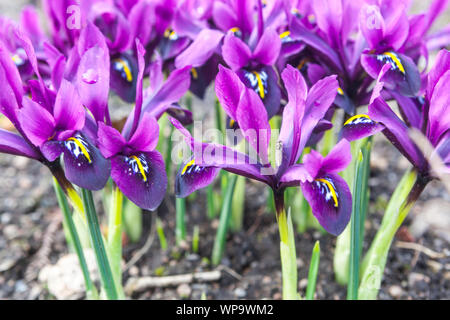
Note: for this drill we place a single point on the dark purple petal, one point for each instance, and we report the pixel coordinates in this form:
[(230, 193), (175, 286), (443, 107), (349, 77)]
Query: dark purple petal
[(141, 177), (403, 75), (331, 202), (37, 123), (191, 177), (123, 71), (13, 144), (264, 82), (359, 126), (84, 164)]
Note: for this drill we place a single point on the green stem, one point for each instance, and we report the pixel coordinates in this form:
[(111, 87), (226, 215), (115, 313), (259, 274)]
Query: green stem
[(225, 215), (341, 260), (287, 249), (99, 248), (91, 291), (313, 271), (360, 186), (180, 223), (161, 235), (115, 239), (375, 260), (211, 209)]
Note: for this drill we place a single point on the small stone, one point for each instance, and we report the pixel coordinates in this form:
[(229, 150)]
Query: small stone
[(11, 231), (134, 271), (303, 283), (417, 280), (20, 286), (193, 257), (184, 290), (266, 280), (240, 293), (65, 280), (395, 291), (5, 218), (277, 296)]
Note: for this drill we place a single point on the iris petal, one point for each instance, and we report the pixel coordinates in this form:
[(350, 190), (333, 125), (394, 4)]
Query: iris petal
[(141, 177), (191, 177), (331, 202)]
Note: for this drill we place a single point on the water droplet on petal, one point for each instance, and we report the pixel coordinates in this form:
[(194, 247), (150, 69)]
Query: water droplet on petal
[(90, 76)]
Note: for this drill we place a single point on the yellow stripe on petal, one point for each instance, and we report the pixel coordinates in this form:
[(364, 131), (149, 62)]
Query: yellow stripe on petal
[(260, 84), (356, 117), (189, 164), (331, 188), (125, 68), (285, 34), (340, 91), (396, 60), (141, 168), (194, 73), (234, 29), (82, 148)]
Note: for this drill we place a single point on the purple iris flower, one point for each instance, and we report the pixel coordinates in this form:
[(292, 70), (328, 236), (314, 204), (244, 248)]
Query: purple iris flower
[(50, 124), (136, 167), (327, 193), (430, 115)]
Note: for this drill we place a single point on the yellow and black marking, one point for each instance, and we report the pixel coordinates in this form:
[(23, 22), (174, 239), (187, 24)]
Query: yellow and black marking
[(188, 165), (285, 34), (191, 167), (236, 31), (303, 63), (359, 119), (170, 34), (258, 82), (122, 66), (194, 73), (326, 187), (393, 59), (77, 146), (141, 168), (340, 91), (138, 165)]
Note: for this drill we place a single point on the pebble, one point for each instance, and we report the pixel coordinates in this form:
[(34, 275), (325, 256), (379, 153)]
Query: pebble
[(134, 271), (184, 290), (240, 293), (303, 283), (20, 286), (395, 291), (418, 280)]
